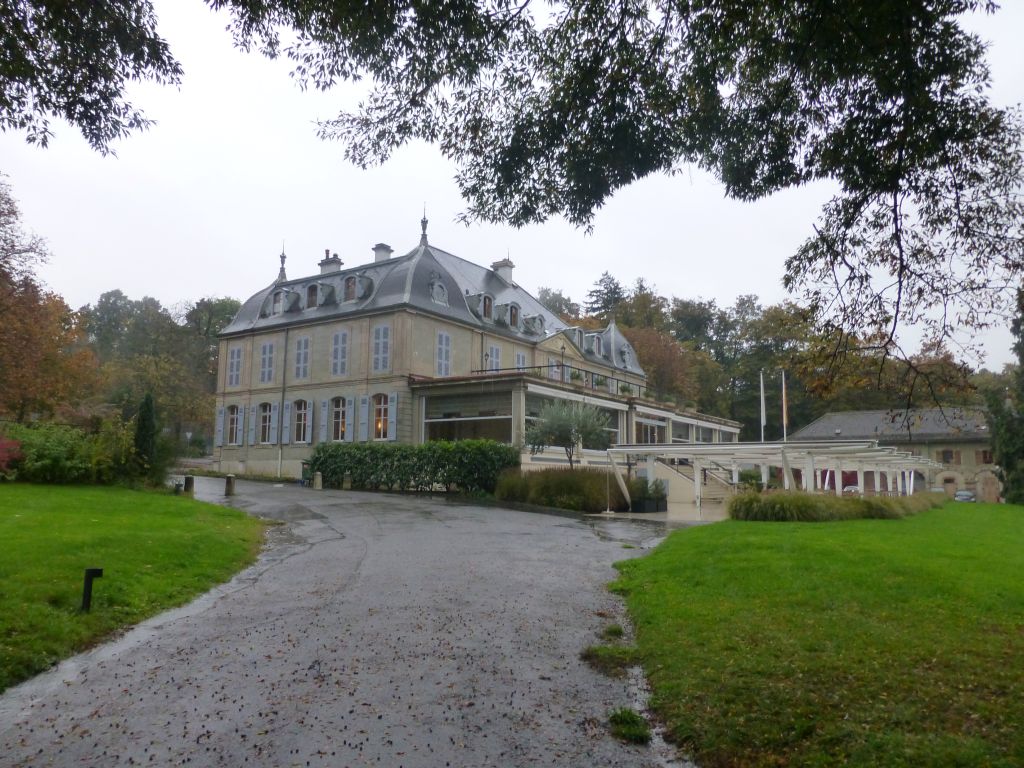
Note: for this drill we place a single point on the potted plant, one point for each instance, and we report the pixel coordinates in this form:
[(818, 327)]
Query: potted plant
[(640, 496), (659, 495), (626, 388), (600, 381), (575, 375)]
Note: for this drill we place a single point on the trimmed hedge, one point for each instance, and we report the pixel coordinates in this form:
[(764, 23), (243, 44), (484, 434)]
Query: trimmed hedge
[(798, 507), (469, 465), (579, 489)]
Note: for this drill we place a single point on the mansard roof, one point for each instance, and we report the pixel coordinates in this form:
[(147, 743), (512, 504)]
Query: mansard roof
[(431, 280)]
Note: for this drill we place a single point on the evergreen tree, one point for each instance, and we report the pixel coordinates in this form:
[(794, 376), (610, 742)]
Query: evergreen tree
[(145, 435), (607, 294), (1006, 419)]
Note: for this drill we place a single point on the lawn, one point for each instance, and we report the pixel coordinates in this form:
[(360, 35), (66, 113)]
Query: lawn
[(156, 551), (869, 642)]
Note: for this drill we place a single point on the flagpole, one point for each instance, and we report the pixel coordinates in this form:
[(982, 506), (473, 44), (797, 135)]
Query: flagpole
[(764, 418), (785, 407)]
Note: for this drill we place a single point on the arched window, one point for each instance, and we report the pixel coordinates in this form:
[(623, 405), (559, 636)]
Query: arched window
[(380, 417), (350, 289), (266, 422), (513, 316), (339, 419), (597, 346), (301, 421), (234, 426), (488, 307), (311, 296)]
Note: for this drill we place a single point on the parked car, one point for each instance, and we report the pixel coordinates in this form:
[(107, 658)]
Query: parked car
[(851, 489), (964, 496)]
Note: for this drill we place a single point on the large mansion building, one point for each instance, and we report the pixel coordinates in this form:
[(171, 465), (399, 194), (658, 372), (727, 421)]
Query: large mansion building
[(425, 346)]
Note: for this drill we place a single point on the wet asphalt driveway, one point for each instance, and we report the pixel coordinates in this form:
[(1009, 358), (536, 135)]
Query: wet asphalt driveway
[(375, 630)]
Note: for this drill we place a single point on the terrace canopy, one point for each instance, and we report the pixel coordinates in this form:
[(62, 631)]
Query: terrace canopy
[(820, 463)]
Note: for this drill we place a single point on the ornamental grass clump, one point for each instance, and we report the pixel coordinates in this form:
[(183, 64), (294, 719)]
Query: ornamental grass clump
[(800, 507), (579, 490)]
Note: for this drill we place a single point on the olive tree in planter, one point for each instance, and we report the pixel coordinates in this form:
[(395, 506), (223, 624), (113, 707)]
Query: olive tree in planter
[(570, 426)]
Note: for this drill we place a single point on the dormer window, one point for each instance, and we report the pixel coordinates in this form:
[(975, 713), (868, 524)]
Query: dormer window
[(513, 316), (597, 346), (276, 306), (350, 288), (488, 308), (579, 338), (311, 297)]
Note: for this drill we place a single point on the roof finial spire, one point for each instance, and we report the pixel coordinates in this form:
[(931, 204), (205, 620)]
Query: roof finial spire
[(423, 226), (281, 276)]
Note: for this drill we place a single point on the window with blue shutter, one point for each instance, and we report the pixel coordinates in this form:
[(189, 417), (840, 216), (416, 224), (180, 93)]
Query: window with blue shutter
[(324, 421), (392, 416), (364, 418), (253, 420), (286, 424), (302, 357), (444, 354), (350, 415), (218, 428), (339, 354), (275, 416), (381, 348)]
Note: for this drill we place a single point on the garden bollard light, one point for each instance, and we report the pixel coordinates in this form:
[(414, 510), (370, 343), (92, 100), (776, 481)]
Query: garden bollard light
[(318, 481), (90, 574), (229, 485), (190, 484)]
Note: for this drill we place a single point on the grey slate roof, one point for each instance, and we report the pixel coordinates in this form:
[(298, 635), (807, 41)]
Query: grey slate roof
[(420, 279), (899, 425)]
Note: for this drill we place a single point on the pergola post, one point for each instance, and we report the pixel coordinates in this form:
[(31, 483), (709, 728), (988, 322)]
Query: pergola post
[(860, 479), (878, 481), (787, 471), (735, 473), (697, 482)]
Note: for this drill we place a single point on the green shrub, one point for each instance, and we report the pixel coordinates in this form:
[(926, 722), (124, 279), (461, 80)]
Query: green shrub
[(800, 507), (57, 453), (471, 466), (580, 489)]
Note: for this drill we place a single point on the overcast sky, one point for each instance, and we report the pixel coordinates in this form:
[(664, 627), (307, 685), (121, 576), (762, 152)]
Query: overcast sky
[(200, 204)]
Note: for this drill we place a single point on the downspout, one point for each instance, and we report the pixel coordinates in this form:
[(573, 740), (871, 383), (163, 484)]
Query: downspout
[(280, 407)]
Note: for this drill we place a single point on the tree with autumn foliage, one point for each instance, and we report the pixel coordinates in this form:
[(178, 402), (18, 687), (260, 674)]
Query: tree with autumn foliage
[(44, 361)]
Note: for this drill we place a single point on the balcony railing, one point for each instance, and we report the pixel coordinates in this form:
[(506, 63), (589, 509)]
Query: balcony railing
[(581, 378)]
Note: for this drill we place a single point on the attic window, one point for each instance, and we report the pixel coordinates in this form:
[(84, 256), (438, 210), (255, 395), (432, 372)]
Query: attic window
[(488, 310), (350, 288), (276, 306), (513, 316), (311, 297), (579, 338), (597, 346)]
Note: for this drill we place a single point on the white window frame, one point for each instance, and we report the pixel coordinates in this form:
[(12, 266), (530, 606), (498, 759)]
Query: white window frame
[(267, 362), (493, 357), (520, 360), (382, 348), (339, 354), (234, 431), (444, 354), (266, 424), (339, 419), (379, 405), (234, 366), (302, 357), (301, 412)]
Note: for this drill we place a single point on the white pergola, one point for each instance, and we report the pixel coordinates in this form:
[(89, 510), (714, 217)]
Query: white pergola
[(862, 456)]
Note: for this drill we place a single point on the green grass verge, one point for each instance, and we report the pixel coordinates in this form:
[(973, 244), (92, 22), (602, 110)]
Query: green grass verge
[(156, 551), (868, 642), (629, 725)]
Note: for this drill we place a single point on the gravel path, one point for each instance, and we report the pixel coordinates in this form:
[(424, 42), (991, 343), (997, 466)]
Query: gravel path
[(375, 630)]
